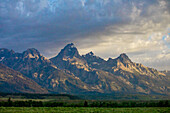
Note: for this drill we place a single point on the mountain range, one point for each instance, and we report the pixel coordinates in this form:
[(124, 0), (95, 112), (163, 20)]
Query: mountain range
[(72, 73)]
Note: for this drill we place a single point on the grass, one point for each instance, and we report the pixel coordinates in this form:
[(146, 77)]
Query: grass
[(49, 98), (83, 110), (18, 99)]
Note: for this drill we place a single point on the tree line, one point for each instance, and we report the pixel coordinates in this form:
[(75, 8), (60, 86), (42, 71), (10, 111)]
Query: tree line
[(30, 103), (39, 96)]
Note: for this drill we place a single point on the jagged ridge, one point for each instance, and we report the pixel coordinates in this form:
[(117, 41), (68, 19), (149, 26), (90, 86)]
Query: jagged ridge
[(69, 72)]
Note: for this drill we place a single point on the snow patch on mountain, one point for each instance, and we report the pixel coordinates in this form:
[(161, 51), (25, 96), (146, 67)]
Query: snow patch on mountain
[(2, 58), (72, 46)]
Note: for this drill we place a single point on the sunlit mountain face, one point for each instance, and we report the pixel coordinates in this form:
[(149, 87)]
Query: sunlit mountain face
[(72, 73), (140, 28)]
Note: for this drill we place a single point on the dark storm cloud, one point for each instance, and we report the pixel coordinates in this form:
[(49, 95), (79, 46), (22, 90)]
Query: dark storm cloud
[(49, 24)]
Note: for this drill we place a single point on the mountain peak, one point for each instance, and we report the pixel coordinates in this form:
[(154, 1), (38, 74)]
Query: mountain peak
[(5, 53), (124, 58), (31, 53), (123, 55), (71, 45), (4, 50), (69, 51), (90, 53)]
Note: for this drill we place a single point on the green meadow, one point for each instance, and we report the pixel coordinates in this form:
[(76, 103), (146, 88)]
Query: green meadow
[(61, 103), (83, 110)]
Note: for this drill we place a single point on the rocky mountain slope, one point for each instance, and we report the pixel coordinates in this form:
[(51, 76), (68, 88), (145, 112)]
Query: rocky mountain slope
[(70, 72), (27, 62), (59, 81), (97, 80), (35, 66), (166, 72), (113, 75), (13, 81)]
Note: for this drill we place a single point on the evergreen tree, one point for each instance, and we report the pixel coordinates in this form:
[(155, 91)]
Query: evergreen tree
[(85, 103)]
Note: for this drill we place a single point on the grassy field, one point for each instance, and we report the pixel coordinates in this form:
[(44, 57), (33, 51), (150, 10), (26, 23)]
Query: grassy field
[(83, 110)]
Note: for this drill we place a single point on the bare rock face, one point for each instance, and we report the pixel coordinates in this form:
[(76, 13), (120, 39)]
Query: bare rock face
[(103, 76), (70, 59), (69, 72), (92, 79), (69, 51), (26, 62), (15, 82)]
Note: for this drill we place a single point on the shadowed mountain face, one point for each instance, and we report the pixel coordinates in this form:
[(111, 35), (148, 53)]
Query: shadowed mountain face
[(35, 66), (69, 51), (26, 62), (69, 72), (13, 81)]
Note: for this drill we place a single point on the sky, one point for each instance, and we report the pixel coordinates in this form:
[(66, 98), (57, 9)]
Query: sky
[(139, 28)]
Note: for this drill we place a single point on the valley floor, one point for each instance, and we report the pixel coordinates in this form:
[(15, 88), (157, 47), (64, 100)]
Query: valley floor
[(83, 110)]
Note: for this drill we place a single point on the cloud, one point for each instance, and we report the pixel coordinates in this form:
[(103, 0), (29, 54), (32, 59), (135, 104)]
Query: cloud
[(107, 27)]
